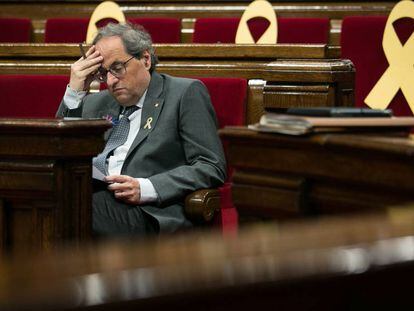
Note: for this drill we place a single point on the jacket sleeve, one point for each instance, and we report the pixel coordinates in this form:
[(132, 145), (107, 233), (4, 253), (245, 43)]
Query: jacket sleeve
[(205, 162), (63, 111)]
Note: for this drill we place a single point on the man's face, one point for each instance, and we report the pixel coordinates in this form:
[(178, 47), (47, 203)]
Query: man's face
[(128, 88)]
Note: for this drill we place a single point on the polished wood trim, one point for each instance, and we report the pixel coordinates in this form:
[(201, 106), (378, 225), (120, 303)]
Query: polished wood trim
[(44, 9), (177, 51)]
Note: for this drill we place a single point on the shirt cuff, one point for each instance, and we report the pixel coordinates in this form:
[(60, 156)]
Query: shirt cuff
[(72, 98), (148, 192)]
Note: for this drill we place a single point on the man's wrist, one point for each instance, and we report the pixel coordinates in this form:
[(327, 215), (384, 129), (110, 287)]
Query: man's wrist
[(148, 192), (73, 98)]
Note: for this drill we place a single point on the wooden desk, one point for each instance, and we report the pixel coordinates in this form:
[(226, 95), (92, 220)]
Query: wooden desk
[(282, 177), (280, 76), (45, 181)]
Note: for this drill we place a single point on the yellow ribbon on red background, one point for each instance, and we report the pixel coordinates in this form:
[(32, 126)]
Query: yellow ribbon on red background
[(400, 73)]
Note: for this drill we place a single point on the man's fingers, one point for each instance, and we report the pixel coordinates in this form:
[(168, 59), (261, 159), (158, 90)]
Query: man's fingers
[(90, 51), (123, 194), (117, 178), (88, 62), (83, 74), (121, 187), (124, 188), (92, 69)]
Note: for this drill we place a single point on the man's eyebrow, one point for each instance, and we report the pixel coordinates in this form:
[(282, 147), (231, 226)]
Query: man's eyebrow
[(117, 62)]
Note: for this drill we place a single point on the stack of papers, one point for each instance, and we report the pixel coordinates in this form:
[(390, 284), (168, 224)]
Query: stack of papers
[(301, 125)]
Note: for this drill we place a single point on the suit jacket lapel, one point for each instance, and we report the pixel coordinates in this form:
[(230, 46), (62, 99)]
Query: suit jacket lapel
[(151, 109)]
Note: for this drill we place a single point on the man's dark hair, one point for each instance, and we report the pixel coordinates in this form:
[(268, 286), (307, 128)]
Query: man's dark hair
[(135, 38)]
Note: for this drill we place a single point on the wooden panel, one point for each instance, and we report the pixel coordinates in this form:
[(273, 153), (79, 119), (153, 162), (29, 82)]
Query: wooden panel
[(254, 107), (285, 96), (26, 176), (175, 51), (3, 229), (45, 181), (339, 173), (265, 191)]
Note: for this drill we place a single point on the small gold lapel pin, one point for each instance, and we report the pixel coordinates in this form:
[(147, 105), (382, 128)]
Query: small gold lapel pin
[(156, 104), (148, 124)]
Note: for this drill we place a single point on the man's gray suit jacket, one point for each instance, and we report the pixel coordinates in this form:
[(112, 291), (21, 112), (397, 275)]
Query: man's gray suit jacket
[(179, 153)]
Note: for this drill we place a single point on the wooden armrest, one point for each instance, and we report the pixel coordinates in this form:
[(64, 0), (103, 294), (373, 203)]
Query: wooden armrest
[(201, 205)]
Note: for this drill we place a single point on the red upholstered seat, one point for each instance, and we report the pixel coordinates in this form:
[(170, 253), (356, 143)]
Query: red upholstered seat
[(361, 42), (228, 96), (162, 29), (290, 30), (31, 96), (66, 30), (15, 30), (73, 30)]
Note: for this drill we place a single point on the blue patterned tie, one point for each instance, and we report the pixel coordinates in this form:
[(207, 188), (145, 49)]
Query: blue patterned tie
[(117, 138)]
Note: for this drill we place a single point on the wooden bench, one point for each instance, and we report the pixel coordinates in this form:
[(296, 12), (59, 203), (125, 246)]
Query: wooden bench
[(279, 76), (188, 11)]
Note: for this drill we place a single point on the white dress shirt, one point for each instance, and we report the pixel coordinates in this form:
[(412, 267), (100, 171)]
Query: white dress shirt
[(72, 100)]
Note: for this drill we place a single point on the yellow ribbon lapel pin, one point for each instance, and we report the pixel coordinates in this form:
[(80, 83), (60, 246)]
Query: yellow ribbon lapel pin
[(147, 125)]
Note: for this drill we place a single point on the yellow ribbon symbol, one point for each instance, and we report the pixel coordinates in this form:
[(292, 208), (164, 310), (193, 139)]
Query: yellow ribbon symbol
[(148, 124), (107, 9), (400, 73), (258, 8)]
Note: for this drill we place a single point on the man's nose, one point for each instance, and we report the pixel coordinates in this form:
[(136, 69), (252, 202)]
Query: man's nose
[(111, 79)]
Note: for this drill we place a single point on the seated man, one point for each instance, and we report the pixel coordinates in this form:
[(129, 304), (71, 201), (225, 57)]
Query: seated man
[(164, 142)]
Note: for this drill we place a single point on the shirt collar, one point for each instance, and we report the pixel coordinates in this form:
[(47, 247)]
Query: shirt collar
[(139, 104)]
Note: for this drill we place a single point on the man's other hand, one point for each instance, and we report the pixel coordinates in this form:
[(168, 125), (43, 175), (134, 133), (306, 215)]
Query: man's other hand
[(125, 188)]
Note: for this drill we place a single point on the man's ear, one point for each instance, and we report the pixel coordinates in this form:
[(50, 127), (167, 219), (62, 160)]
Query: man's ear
[(147, 59)]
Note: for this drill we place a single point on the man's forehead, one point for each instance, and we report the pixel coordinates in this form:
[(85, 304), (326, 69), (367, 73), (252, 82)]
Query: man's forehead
[(110, 46), (112, 50)]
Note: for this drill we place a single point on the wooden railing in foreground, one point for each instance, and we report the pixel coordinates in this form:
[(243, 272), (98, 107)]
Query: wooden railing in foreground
[(280, 76), (356, 263)]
